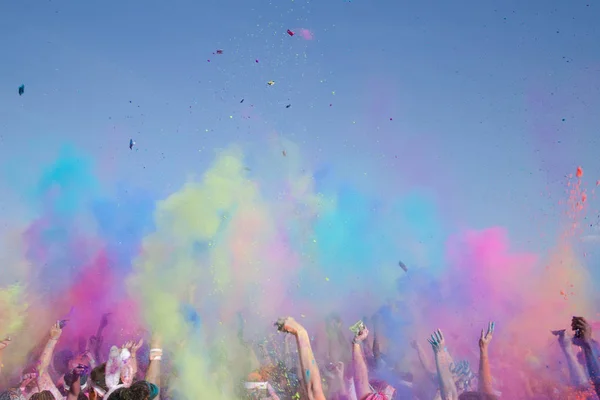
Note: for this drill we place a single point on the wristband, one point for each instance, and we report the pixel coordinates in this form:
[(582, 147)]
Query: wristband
[(156, 354)]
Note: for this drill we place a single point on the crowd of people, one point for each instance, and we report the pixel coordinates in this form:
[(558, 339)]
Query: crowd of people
[(355, 368)]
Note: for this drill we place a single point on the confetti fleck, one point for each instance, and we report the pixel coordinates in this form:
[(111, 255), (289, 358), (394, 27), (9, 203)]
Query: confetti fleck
[(288, 106), (327, 279), (289, 32), (271, 83), (579, 173), (242, 101), (284, 153), (21, 90), (131, 144), (219, 51), (403, 266), (256, 61)]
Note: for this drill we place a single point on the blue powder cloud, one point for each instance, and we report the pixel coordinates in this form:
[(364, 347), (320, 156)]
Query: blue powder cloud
[(122, 223)]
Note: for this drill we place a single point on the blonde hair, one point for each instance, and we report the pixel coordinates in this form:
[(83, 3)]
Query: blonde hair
[(45, 395)]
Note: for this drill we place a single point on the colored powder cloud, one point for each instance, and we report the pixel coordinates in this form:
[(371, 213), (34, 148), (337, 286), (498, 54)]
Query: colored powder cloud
[(264, 242), (306, 34)]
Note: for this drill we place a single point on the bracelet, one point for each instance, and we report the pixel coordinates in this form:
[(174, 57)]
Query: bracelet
[(157, 356)]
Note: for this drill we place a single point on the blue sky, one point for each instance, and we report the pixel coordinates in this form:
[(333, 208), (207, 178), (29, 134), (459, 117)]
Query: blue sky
[(488, 104)]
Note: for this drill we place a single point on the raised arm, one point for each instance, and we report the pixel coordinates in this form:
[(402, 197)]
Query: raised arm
[(95, 342), (485, 373), (583, 335), (74, 381), (443, 361), (359, 365), (423, 359), (576, 372), (153, 372), (130, 368), (48, 351), (310, 370)]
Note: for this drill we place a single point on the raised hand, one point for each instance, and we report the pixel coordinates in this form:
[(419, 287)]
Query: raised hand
[(55, 331), (486, 336), (136, 346), (104, 321), (437, 341), (80, 370), (338, 369), (565, 339), (288, 325), (361, 335), (583, 330)]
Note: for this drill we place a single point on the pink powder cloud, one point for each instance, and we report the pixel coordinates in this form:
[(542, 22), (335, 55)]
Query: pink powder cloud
[(306, 34)]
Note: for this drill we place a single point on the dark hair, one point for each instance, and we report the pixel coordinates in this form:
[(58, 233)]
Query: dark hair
[(138, 391), (45, 395), (98, 376), (61, 361)]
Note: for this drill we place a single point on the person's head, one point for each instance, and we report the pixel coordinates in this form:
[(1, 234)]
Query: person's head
[(98, 379), (11, 395), (138, 391), (45, 395), (62, 360)]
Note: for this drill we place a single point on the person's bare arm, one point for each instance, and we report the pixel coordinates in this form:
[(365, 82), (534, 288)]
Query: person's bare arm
[(584, 336), (75, 382), (576, 372), (46, 356), (340, 384), (310, 370), (153, 372), (359, 365), (485, 373), (443, 361), (96, 340), (423, 358)]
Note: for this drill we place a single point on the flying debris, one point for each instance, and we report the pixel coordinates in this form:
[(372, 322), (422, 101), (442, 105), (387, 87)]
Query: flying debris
[(242, 101), (288, 106), (291, 33), (271, 83), (131, 144), (21, 90), (403, 266)]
